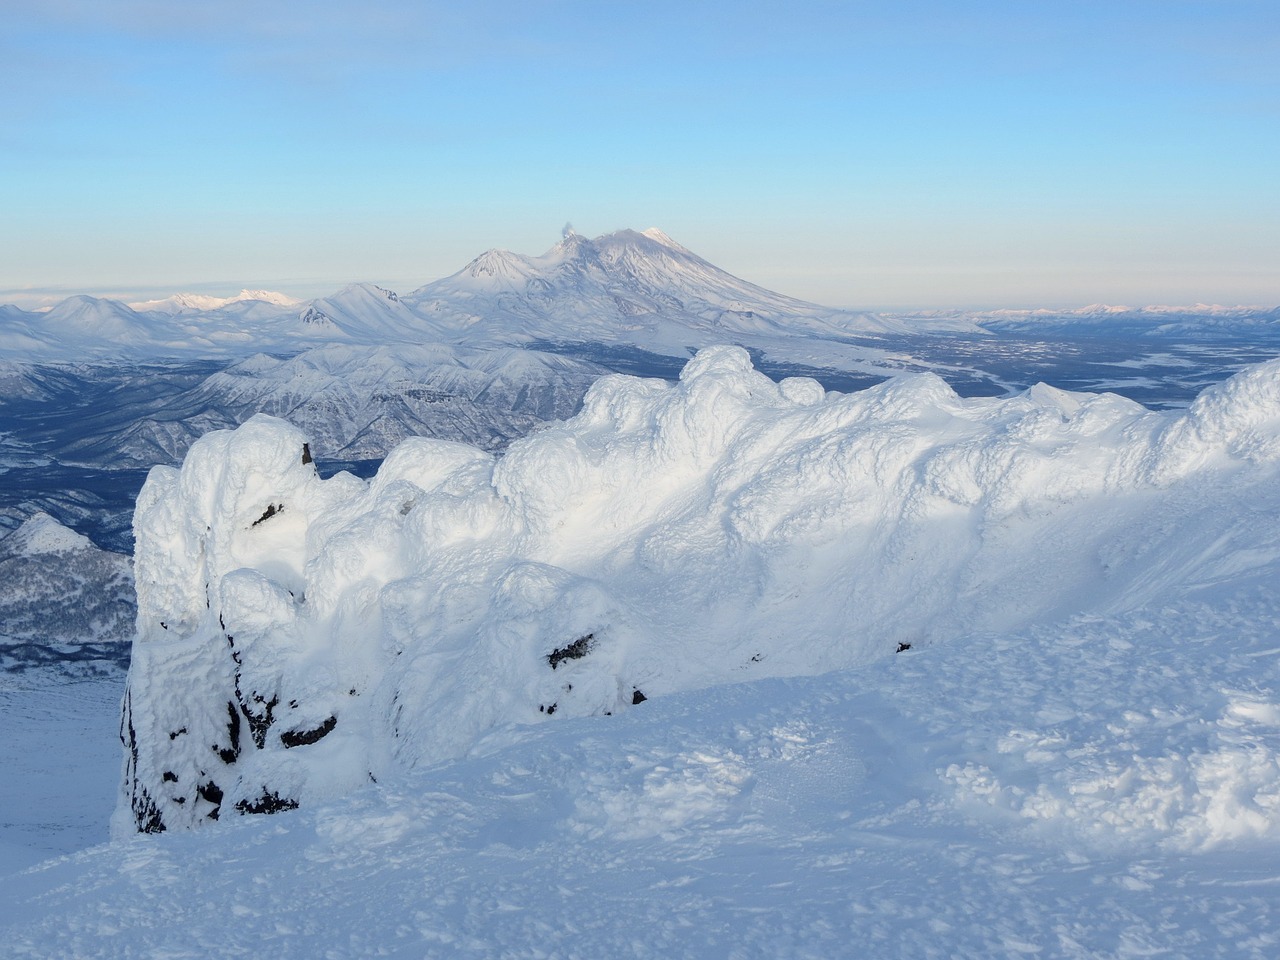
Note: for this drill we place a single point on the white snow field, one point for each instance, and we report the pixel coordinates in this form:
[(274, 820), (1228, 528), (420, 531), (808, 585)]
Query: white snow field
[(634, 688)]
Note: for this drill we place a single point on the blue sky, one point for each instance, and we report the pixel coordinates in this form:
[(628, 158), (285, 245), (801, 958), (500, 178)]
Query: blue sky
[(869, 154)]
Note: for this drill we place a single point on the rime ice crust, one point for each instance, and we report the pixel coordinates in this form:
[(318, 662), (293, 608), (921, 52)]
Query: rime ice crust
[(297, 637)]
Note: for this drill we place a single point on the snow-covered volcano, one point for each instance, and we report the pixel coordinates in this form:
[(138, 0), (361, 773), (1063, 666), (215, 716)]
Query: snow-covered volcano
[(640, 287)]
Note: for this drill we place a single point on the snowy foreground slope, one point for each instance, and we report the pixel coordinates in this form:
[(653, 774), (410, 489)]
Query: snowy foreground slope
[(1078, 755), (1102, 788)]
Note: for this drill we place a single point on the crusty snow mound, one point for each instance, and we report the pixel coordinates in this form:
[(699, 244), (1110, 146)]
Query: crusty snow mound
[(298, 637)]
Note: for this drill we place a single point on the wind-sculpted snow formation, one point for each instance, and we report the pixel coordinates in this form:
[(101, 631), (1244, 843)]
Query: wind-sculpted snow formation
[(298, 637)]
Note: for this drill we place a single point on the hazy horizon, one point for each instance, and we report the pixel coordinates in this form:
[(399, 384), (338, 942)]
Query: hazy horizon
[(308, 288), (914, 155)]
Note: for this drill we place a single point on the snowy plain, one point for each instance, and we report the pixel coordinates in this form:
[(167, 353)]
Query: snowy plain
[(1078, 754)]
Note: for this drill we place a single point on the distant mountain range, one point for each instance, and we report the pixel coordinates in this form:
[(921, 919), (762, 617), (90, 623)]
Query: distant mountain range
[(640, 289), (94, 391)]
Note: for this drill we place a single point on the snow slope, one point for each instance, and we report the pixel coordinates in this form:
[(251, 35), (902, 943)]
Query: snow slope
[(1079, 755), (667, 538), (67, 613), (1100, 788)]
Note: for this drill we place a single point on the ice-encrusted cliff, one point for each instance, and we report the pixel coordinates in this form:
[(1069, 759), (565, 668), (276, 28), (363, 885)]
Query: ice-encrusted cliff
[(298, 636)]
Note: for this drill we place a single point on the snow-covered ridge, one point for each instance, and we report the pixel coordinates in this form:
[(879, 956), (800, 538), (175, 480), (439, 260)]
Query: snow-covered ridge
[(41, 534), (58, 592), (628, 287), (636, 288), (196, 302), (297, 637)]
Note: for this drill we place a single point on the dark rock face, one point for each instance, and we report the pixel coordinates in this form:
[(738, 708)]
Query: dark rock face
[(268, 802), (574, 651), (271, 511), (301, 738)]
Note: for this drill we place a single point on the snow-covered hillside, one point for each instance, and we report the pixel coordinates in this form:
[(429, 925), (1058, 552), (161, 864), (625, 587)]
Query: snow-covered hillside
[(667, 538), (1077, 756), (354, 402), (62, 600)]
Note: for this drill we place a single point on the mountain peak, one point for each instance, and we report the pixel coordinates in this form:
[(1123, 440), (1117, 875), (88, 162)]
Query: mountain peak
[(653, 233), (41, 533), (266, 296), (197, 302), (496, 265)]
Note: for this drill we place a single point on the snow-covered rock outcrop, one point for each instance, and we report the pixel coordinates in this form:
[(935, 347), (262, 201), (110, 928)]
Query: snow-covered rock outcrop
[(297, 637)]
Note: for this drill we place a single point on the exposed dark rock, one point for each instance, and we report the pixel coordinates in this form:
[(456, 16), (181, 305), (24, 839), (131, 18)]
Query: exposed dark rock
[(574, 651), (306, 453), (271, 511), (213, 793), (637, 697), (267, 803), (231, 754), (145, 812), (300, 738), (902, 647), (259, 720), (169, 777)]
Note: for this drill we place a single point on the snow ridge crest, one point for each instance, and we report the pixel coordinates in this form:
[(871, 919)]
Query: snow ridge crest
[(296, 637)]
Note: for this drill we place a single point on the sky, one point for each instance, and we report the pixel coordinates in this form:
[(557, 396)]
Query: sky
[(905, 154)]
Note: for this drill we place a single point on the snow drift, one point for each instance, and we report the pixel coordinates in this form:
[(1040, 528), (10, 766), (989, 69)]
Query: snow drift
[(298, 637)]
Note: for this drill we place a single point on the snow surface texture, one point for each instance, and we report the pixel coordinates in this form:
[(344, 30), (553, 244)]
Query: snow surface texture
[(298, 638), (890, 811)]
